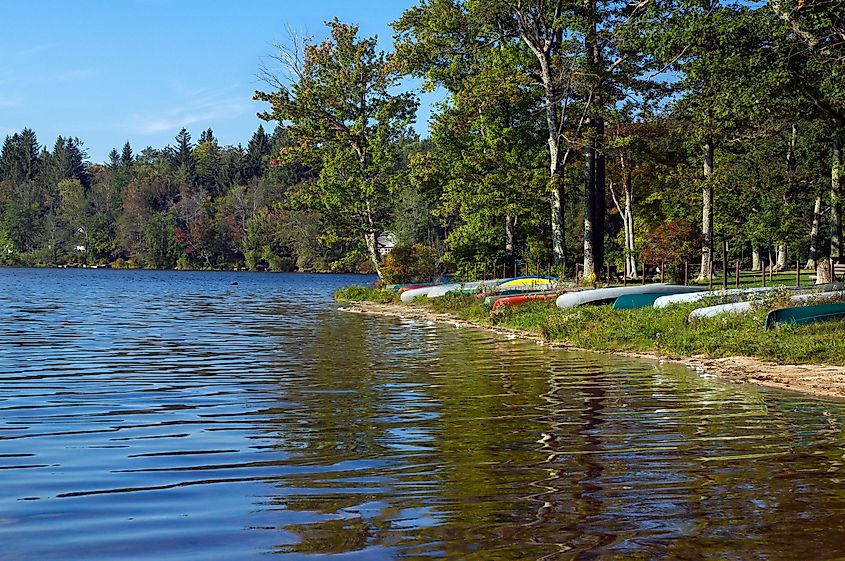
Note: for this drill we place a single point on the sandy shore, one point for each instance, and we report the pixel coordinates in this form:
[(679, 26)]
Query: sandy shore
[(813, 379)]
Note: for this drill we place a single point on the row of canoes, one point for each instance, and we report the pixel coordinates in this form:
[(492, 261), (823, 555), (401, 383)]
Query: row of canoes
[(808, 304)]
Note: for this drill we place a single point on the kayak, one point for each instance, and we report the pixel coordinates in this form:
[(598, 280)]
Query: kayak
[(805, 315), (606, 295), (491, 298), (522, 299), (737, 308)]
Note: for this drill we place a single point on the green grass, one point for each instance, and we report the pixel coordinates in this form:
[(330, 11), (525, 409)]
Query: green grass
[(357, 293), (663, 331)]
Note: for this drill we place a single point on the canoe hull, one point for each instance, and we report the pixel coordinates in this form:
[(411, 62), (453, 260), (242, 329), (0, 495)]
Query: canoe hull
[(805, 315), (522, 299), (607, 295)]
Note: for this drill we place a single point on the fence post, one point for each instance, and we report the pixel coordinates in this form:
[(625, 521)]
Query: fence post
[(763, 265), (797, 273), (643, 271), (737, 274), (624, 273), (686, 273), (663, 272), (724, 264)]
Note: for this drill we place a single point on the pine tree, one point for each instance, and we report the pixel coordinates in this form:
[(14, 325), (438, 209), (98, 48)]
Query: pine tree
[(114, 159), (126, 156), (258, 150), (183, 154), (207, 136)]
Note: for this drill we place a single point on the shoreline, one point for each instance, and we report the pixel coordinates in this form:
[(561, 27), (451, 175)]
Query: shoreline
[(816, 380)]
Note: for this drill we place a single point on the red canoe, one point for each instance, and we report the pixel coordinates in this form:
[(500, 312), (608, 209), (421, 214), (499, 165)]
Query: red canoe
[(521, 299)]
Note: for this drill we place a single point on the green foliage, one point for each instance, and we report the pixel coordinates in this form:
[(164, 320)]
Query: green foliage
[(344, 120), (406, 263), (358, 293)]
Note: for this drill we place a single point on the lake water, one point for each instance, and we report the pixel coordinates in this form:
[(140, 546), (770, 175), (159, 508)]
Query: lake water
[(213, 416)]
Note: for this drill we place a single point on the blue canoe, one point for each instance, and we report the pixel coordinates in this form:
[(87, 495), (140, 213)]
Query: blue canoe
[(805, 315)]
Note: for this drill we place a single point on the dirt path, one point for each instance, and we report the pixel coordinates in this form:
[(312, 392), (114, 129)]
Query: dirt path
[(814, 379)]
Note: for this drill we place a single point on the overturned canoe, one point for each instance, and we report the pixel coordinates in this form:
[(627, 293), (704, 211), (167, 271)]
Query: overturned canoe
[(634, 301), (527, 281), (805, 315), (739, 294), (522, 299), (607, 295), (408, 295), (466, 287), (737, 308)]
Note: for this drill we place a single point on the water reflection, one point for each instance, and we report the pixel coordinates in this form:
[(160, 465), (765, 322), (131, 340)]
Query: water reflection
[(167, 416)]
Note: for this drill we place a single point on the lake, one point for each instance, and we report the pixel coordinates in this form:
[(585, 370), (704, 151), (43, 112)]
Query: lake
[(159, 416)]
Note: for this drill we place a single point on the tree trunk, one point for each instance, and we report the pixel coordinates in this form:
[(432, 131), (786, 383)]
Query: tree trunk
[(600, 194), (627, 215), (555, 167), (371, 239), (629, 225), (814, 234), (707, 213), (780, 264), (835, 202), (589, 210), (558, 237), (593, 230), (755, 257), (509, 236)]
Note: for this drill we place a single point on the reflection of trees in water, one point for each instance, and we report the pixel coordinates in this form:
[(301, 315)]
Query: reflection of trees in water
[(432, 441)]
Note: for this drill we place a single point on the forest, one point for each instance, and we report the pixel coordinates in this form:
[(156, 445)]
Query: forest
[(573, 136)]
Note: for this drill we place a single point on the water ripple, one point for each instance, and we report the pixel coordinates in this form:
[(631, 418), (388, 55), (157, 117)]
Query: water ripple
[(159, 415)]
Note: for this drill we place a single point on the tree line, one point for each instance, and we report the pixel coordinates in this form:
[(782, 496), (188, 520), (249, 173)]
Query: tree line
[(577, 132), (189, 205)]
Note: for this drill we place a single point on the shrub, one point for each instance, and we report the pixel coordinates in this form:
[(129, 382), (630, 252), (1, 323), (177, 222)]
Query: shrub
[(406, 263)]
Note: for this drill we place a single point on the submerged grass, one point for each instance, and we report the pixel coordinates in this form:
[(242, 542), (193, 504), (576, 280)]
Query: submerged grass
[(664, 331)]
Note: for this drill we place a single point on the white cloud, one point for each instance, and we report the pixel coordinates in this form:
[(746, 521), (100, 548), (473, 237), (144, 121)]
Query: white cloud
[(203, 108)]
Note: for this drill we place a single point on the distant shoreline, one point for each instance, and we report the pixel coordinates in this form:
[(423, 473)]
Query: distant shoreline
[(817, 380)]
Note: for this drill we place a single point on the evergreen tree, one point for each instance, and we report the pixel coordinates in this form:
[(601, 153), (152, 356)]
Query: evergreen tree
[(207, 136), (257, 152), (126, 156), (114, 159), (19, 157), (183, 155)]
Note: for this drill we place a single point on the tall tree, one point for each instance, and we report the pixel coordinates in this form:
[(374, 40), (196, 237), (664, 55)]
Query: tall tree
[(342, 112), (127, 158), (257, 153), (183, 154)]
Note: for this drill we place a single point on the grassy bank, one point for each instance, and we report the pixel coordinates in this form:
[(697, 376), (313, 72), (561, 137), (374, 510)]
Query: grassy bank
[(646, 330)]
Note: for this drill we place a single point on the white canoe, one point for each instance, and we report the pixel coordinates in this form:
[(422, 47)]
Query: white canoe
[(598, 295), (736, 294), (409, 295), (737, 308), (443, 289)]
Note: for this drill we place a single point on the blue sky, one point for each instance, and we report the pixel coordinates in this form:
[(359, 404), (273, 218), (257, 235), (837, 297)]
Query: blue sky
[(108, 71)]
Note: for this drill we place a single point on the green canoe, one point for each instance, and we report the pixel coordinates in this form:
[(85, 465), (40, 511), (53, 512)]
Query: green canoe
[(634, 301), (805, 315)]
